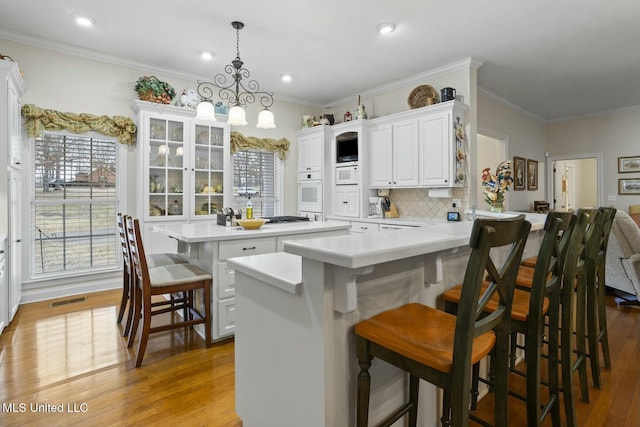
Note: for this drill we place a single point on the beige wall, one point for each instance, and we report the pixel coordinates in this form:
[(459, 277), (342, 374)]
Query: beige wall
[(71, 83), (525, 138), (613, 135)]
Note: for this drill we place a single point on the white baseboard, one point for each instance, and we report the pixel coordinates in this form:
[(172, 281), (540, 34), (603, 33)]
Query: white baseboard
[(65, 290)]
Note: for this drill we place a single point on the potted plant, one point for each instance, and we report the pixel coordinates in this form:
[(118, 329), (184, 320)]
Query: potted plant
[(151, 89)]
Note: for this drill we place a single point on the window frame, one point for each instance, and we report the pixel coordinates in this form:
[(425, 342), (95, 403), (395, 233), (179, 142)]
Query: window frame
[(278, 184), (30, 232)]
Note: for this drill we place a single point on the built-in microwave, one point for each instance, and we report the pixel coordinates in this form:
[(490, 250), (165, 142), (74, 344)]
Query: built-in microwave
[(347, 175), (347, 147)]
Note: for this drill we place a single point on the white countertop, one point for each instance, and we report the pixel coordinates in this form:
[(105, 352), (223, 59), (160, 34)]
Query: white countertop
[(365, 249), (278, 269), (195, 232)]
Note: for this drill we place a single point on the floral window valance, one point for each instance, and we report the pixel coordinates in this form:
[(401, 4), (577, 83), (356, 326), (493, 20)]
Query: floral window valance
[(38, 120), (239, 142)]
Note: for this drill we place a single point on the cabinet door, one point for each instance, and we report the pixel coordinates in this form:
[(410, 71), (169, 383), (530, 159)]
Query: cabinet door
[(405, 158), (165, 153), (347, 201), (226, 317), (380, 156), (435, 150), (14, 241), (310, 153), (208, 170), (14, 121)]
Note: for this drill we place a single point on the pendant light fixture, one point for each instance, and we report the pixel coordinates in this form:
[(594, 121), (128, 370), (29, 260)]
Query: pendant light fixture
[(231, 88)]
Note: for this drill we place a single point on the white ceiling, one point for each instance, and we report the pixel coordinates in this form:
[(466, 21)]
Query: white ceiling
[(555, 59)]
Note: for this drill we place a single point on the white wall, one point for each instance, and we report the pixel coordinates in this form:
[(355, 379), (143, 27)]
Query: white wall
[(71, 83), (614, 135)]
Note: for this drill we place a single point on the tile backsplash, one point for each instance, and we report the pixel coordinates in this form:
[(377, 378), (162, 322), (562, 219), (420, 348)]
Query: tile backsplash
[(415, 202)]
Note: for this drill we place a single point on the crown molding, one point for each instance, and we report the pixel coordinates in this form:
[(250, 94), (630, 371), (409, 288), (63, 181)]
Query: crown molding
[(501, 100), (463, 64), (115, 60)]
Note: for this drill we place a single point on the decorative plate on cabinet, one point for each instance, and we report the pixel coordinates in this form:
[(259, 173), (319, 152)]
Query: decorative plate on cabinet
[(422, 96)]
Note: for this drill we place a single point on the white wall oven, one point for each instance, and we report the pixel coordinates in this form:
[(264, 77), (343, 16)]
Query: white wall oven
[(310, 192)]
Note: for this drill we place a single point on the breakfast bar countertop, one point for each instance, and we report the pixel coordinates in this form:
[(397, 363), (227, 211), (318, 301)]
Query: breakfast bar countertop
[(208, 231)]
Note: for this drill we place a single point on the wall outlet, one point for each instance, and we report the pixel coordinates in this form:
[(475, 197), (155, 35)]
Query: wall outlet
[(456, 202), (612, 198)]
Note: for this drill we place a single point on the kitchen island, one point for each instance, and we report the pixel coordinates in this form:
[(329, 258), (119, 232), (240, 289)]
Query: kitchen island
[(209, 245), (295, 348)]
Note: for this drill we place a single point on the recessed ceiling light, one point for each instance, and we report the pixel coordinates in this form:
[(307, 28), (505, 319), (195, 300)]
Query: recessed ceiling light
[(83, 20), (206, 56), (286, 78), (386, 28)]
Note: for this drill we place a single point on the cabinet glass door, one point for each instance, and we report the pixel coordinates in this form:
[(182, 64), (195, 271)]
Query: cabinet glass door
[(166, 163), (208, 167)]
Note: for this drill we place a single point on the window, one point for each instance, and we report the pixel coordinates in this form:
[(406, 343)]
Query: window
[(74, 204), (256, 175)]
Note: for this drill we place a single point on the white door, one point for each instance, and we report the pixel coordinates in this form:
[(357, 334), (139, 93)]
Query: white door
[(564, 186)]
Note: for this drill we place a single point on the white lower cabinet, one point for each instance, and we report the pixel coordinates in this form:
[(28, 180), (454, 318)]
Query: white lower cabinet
[(347, 201), (363, 227), (223, 303)]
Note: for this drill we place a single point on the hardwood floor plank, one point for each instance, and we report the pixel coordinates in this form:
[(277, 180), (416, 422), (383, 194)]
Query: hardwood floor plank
[(74, 354)]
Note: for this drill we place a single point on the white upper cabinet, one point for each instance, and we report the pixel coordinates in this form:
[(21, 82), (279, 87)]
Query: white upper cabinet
[(393, 160), (419, 148), (310, 151), (435, 150), (185, 166)]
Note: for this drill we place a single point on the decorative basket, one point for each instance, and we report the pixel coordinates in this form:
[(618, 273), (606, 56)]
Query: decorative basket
[(422, 96), (152, 89)]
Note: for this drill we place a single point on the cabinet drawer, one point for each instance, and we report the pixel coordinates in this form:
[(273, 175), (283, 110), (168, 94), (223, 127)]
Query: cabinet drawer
[(363, 227), (226, 283), (234, 248), (226, 317)]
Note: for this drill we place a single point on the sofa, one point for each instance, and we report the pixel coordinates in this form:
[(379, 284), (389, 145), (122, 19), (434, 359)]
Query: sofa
[(623, 259)]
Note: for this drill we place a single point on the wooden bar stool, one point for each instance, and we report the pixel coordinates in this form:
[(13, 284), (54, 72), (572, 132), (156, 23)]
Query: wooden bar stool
[(169, 279), (573, 312), (597, 335), (528, 313), (441, 348), (155, 260)]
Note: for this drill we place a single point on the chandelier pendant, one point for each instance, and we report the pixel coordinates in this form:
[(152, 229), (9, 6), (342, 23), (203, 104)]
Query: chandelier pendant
[(236, 87)]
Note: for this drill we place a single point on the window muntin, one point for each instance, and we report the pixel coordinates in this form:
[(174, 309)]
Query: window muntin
[(74, 204), (256, 175)]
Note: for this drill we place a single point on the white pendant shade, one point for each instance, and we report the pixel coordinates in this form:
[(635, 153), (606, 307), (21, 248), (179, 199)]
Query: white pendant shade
[(205, 111), (266, 120), (237, 116)]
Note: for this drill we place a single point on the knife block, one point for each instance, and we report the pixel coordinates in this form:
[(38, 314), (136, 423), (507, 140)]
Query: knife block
[(392, 212)]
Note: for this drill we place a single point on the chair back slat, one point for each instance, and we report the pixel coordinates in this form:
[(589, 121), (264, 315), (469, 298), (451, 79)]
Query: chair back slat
[(472, 320), (138, 259), (124, 244)]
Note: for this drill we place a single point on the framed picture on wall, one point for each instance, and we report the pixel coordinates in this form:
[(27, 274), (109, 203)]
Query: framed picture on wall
[(519, 173), (532, 174), (629, 186), (628, 164)]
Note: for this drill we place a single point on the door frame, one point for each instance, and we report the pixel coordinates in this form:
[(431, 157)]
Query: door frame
[(568, 157)]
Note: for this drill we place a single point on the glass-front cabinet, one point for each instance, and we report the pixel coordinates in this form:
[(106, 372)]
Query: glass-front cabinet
[(185, 164)]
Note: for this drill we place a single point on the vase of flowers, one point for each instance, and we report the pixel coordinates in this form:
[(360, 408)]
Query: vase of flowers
[(495, 186)]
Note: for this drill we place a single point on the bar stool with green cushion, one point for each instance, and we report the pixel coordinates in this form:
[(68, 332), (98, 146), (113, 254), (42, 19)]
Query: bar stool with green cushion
[(154, 260), (528, 313), (168, 279), (439, 347), (596, 303)]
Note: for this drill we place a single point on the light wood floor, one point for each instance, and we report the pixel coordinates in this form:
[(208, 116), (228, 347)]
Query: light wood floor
[(74, 355)]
